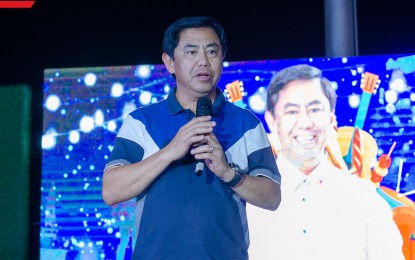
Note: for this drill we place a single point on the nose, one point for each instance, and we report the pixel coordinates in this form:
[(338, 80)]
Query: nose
[(304, 120), (203, 60)]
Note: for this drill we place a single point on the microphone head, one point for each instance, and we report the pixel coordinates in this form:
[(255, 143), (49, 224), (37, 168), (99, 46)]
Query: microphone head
[(204, 106)]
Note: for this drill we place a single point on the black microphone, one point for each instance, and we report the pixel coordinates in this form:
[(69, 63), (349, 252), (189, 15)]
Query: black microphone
[(203, 108)]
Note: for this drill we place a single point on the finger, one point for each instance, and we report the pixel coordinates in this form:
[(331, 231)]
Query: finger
[(195, 128), (199, 128), (198, 120), (213, 141), (213, 138), (202, 149)]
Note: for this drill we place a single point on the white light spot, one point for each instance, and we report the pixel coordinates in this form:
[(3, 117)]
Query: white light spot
[(99, 117), (53, 102), (398, 84), (354, 83), (117, 89), (112, 126), (49, 139), (86, 124), (166, 88), (354, 100), (90, 79), (74, 136), (334, 85), (145, 97), (391, 96), (390, 108), (143, 71), (256, 103)]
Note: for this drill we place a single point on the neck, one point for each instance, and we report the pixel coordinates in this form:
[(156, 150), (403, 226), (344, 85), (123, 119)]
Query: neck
[(186, 104), (190, 102), (306, 166)]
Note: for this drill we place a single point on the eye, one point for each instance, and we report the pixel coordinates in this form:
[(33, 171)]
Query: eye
[(316, 109), (212, 52), (291, 112)]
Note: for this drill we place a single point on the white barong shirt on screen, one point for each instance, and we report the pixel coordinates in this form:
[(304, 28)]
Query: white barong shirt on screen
[(328, 214)]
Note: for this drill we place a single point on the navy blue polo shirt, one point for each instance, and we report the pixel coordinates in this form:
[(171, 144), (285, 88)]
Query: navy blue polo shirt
[(181, 215)]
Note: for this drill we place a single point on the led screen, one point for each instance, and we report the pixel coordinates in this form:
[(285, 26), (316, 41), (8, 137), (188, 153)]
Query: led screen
[(84, 108)]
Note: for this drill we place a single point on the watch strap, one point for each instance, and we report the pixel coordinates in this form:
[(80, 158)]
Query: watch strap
[(238, 178)]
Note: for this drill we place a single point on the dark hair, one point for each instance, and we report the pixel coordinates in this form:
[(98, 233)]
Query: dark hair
[(301, 71), (172, 34)]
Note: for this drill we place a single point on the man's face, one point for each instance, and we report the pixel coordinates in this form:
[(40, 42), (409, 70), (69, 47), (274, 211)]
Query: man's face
[(302, 119), (197, 61)]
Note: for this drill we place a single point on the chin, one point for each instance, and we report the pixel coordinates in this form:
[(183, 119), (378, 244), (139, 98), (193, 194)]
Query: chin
[(308, 154)]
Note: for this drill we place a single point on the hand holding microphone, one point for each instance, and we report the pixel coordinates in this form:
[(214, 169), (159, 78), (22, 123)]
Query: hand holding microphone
[(203, 108)]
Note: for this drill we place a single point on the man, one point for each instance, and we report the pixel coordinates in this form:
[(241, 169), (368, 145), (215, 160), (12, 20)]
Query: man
[(160, 147), (325, 212)]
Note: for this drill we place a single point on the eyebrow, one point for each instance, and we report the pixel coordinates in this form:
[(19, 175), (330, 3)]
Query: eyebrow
[(314, 102), (213, 44), (189, 45), (289, 105)]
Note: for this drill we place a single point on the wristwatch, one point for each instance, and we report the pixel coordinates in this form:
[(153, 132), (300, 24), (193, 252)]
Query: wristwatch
[(239, 177)]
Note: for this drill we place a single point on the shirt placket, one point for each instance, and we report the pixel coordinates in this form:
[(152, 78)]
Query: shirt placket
[(302, 197)]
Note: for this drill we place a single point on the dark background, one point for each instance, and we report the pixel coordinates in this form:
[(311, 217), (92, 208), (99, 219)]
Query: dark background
[(57, 34)]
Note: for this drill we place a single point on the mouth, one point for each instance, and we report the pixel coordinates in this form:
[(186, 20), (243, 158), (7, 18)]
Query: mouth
[(306, 139), (203, 76)]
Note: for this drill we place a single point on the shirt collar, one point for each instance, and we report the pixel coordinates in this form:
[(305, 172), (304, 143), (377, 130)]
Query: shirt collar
[(292, 178), (174, 106)]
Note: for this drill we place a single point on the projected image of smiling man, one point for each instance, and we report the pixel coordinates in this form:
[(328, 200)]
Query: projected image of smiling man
[(302, 117)]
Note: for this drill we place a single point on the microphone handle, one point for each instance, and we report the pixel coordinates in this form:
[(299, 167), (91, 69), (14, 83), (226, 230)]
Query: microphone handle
[(199, 168)]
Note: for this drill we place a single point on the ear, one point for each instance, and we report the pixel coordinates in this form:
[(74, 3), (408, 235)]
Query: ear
[(270, 120), (333, 119), (273, 137), (168, 62)]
